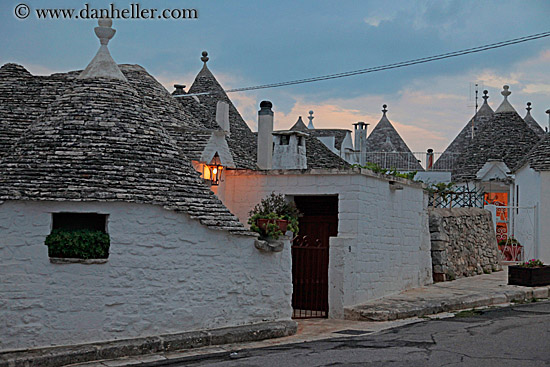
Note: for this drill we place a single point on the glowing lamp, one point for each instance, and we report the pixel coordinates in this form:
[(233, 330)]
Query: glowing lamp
[(213, 171)]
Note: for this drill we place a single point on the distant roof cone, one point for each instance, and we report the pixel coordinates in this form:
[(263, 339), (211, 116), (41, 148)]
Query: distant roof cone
[(310, 117), (103, 65), (505, 106), (533, 124)]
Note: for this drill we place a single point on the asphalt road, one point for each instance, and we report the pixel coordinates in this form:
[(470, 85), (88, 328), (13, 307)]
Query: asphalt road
[(513, 336)]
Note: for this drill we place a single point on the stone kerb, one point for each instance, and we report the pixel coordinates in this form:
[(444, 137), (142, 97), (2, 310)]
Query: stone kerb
[(463, 243)]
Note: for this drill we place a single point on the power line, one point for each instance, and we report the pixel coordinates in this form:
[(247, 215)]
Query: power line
[(388, 66)]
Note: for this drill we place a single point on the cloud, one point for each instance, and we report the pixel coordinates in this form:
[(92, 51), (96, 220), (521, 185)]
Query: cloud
[(375, 20)]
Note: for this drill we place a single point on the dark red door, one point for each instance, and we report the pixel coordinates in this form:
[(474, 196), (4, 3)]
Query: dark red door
[(310, 255)]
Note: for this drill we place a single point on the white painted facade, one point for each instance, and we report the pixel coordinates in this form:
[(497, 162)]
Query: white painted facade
[(166, 273), (534, 191), (383, 243)]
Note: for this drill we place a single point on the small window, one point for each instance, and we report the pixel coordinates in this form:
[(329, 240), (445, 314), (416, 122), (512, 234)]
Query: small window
[(78, 236), (284, 140), (77, 221)]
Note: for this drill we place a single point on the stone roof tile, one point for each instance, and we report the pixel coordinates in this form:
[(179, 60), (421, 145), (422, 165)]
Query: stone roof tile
[(99, 140)]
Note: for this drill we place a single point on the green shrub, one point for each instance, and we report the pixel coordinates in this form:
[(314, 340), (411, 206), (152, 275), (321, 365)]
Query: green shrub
[(80, 244), (274, 207)]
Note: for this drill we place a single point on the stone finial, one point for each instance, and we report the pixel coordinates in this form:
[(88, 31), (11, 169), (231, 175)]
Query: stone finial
[(506, 92), (310, 117), (384, 108), (528, 108), (205, 57), (104, 32), (103, 65), (505, 106), (485, 96)]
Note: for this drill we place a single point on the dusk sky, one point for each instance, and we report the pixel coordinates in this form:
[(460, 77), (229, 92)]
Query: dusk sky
[(253, 42)]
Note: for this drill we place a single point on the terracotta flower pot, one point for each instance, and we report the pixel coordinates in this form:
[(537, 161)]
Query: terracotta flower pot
[(262, 223), (283, 225)]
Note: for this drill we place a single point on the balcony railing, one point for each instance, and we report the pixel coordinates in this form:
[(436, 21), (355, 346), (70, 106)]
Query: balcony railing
[(407, 161)]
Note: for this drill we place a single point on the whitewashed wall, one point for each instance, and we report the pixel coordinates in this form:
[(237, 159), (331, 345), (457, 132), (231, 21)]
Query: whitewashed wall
[(544, 217), (383, 243), (166, 273), (527, 230)]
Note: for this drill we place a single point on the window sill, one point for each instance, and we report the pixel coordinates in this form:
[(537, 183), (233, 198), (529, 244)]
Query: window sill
[(69, 260)]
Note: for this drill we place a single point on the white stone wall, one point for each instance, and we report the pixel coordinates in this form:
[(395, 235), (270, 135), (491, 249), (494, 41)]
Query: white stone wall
[(383, 243), (525, 221), (166, 273), (544, 218)]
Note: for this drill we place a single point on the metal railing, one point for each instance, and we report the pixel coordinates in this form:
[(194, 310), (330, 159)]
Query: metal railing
[(407, 161), (456, 197)]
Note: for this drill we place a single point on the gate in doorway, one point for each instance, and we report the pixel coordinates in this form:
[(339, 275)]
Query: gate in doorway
[(310, 255), (516, 231)]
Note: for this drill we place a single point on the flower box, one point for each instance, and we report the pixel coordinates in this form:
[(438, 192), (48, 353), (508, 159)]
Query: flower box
[(529, 277)]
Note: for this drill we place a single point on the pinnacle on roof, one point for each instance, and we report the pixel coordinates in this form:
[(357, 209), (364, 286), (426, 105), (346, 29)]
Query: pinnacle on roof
[(242, 141), (533, 124), (383, 130), (205, 58), (310, 118), (464, 138), (299, 125), (103, 65), (504, 136), (485, 109), (505, 106)]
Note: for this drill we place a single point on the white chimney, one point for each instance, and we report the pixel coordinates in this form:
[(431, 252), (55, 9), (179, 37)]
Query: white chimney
[(361, 140), (289, 150), (265, 137), (222, 116)]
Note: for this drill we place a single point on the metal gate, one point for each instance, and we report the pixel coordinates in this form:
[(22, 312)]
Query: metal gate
[(310, 255), (309, 278), (516, 231)]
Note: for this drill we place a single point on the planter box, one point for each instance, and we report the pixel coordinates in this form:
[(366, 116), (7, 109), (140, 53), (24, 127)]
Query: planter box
[(529, 277)]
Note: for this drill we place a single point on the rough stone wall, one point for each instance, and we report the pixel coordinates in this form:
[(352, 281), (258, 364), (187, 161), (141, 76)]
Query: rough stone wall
[(383, 244), (463, 243), (166, 273)]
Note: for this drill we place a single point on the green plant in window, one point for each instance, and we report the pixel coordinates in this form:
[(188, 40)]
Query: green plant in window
[(80, 244)]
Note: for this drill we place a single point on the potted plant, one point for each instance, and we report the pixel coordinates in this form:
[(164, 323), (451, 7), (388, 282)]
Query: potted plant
[(531, 273), (273, 216)]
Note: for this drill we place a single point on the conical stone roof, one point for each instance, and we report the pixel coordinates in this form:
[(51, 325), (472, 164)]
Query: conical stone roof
[(539, 157), (505, 136), (242, 142), (385, 138), (99, 142), (464, 138), (533, 124)]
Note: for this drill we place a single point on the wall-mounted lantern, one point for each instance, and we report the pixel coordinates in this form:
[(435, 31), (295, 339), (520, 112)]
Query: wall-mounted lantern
[(213, 171)]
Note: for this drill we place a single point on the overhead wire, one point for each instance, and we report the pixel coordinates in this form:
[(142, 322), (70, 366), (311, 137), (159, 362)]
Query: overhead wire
[(396, 65)]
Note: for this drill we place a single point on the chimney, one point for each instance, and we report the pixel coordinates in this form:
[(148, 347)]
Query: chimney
[(360, 129), (222, 116), (265, 137), (289, 150), (179, 89)]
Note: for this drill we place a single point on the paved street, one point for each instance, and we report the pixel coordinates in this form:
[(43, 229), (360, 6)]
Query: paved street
[(512, 336)]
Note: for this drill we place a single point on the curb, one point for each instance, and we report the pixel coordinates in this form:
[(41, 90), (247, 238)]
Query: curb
[(61, 356), (374, 312)]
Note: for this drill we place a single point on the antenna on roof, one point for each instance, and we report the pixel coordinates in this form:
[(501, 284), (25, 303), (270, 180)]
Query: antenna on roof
[(548, 112)]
